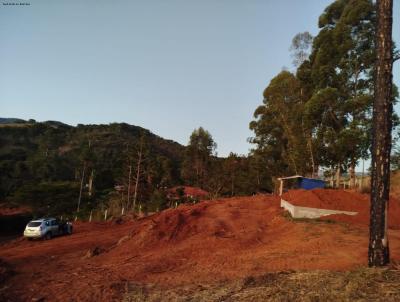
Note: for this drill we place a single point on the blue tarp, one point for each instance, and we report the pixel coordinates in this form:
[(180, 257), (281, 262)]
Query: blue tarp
[(310, 183)]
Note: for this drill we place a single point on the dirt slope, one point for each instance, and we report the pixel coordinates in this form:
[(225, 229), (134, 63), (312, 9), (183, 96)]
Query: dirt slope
[(395, 184), (209, 242)]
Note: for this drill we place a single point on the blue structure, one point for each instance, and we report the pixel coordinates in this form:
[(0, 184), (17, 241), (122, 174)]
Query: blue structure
[(310, 183)]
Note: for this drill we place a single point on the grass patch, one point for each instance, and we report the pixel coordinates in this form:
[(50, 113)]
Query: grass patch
[(364, 284)]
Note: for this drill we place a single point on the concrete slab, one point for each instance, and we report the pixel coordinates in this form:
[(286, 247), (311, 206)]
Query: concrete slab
[(305, 212)]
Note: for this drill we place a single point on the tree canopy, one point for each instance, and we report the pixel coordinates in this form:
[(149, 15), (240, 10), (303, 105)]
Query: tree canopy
[(320, 115)]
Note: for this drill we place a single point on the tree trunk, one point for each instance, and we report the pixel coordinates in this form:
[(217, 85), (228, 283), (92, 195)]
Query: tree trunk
[(309, 143), (197, 165), (378, 252), (362, 178), (352, 172), (338, 177), (81, 188), (233, 180), (233, 184), (292, 144), (129, 184), (137, 175), (308, 136), (91, 179)]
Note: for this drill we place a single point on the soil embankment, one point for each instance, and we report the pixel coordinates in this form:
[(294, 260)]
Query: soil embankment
[(206, 243)]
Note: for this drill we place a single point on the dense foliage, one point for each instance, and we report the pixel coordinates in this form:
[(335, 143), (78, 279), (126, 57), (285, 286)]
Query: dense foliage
[(320, 115), (43, 164), (65, 170)]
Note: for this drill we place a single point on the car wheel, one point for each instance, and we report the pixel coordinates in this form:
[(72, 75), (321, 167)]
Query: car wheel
[(48, 236)]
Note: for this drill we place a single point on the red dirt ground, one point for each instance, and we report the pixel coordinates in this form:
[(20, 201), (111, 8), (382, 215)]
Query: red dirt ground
[(211, 241)]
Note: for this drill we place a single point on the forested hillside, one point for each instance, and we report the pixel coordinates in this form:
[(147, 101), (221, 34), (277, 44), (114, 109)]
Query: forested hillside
[(60, 169), (44, 164)]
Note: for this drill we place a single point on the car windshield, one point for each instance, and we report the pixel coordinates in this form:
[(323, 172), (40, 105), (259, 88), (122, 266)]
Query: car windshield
[(34, 224)]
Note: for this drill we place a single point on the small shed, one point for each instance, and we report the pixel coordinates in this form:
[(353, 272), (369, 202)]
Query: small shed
[(300, 182)]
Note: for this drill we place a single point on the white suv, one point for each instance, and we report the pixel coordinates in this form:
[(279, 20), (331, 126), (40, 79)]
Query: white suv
[(46, 228)]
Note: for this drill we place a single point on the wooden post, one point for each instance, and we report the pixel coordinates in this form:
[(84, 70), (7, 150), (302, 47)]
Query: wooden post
[(280, 186), (105, 214)]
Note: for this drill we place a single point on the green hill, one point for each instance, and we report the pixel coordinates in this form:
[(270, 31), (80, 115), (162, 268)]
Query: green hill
[(41, 164), (11, 120)]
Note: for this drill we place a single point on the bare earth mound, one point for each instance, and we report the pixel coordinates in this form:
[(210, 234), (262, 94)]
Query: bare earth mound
[(207, 243)]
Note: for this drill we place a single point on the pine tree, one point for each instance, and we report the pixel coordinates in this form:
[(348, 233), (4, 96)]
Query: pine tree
[(378, 252), (197, 161)]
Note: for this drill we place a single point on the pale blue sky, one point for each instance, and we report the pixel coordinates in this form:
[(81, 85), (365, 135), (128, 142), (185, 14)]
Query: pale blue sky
[(168, 65)]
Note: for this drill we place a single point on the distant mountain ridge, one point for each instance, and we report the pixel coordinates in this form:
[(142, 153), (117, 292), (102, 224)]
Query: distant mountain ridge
[(11, 120)]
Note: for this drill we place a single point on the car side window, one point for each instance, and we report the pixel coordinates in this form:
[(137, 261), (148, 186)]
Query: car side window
[(47, 223)]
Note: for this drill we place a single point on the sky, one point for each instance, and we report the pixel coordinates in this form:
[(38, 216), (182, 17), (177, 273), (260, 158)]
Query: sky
[(169, 65)]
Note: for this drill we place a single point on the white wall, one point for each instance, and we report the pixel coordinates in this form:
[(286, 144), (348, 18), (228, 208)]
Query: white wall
[(305, 212)]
